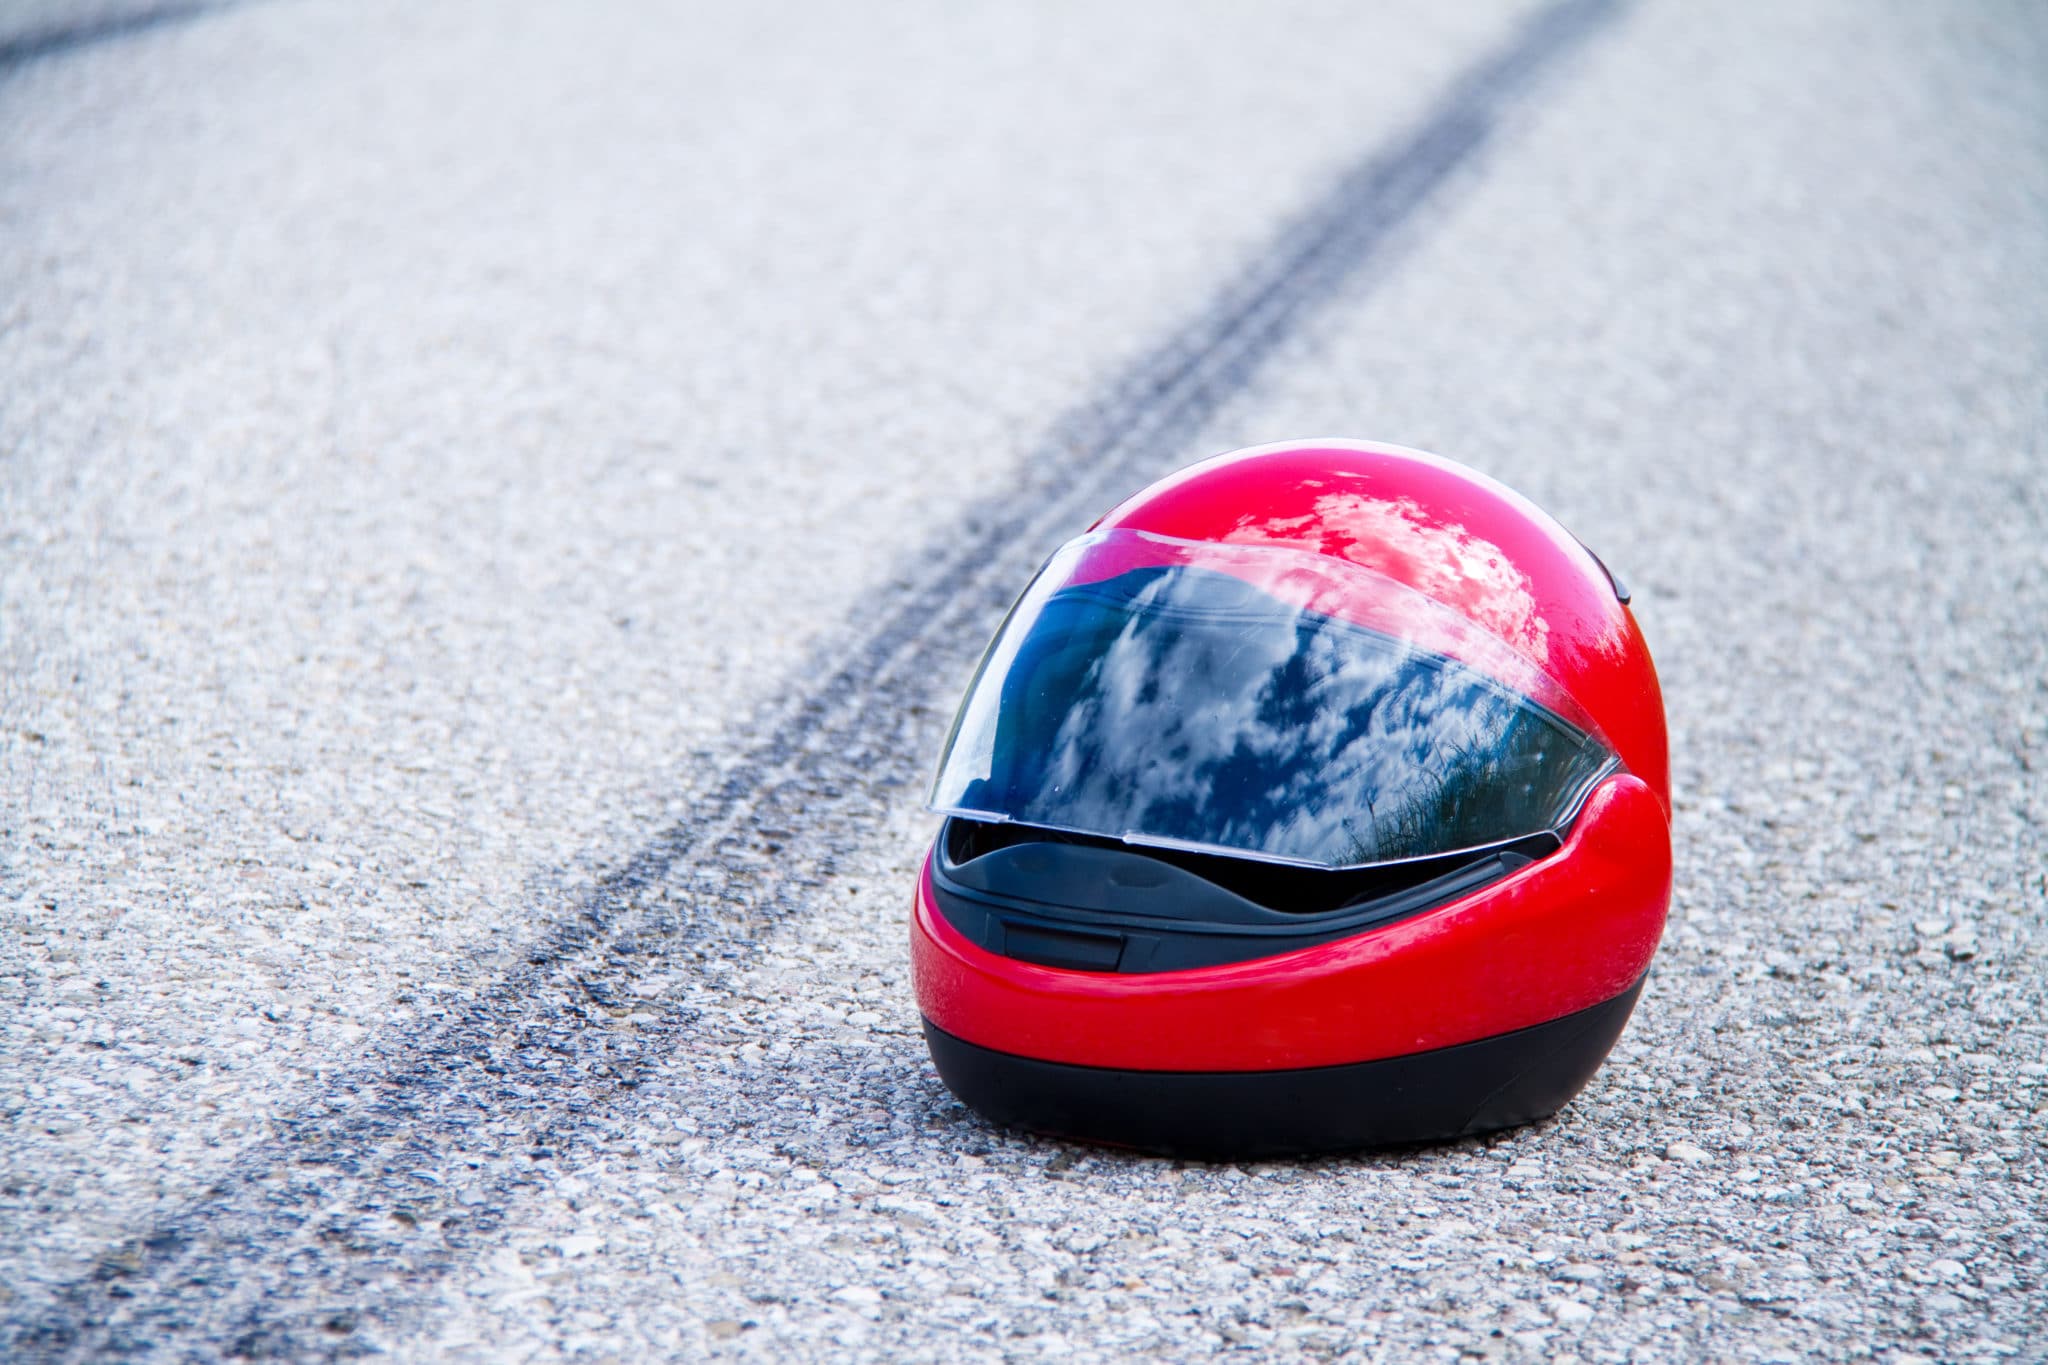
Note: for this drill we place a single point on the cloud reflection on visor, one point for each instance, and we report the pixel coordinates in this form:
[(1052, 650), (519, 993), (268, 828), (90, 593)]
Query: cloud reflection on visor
[(1177, 703)]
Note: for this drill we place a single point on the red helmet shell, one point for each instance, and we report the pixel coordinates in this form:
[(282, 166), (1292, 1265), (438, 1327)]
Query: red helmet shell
[(1255, 1056)]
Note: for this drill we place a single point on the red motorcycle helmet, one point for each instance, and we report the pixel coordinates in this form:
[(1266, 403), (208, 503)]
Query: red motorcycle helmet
[(1315, 799)]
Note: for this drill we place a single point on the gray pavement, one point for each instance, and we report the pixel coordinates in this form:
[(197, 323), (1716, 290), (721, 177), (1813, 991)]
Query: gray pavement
[(447, 454)]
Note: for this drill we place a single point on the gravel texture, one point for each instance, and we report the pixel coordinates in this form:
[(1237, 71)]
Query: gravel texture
[(431, 433), (401, 429)]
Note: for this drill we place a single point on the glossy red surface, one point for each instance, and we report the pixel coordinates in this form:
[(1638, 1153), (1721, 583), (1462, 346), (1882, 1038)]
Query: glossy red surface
[(1562, 934), (1456, 536)]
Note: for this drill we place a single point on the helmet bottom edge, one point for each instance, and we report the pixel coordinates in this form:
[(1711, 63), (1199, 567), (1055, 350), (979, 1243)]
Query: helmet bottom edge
[(1435, 1096)]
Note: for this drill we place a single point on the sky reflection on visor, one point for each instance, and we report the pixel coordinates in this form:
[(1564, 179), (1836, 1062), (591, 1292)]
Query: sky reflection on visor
[(1175, 703)]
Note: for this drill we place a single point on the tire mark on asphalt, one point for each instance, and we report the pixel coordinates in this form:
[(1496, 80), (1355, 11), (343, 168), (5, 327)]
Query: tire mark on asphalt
[(364, 1197), (18, 50)]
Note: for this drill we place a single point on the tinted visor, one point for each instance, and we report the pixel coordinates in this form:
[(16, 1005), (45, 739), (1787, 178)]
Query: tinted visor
[(1262, 702)]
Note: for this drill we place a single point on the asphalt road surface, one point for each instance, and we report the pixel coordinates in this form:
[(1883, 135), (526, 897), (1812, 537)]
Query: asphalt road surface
[(498, 500)]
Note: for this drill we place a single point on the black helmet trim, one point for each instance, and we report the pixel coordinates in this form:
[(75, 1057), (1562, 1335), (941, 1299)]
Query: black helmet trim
[(1089, 905), (1435, 1096)]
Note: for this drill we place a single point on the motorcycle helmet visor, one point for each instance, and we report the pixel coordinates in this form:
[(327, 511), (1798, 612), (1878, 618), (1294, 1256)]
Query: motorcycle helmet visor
[(1262, 702)]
